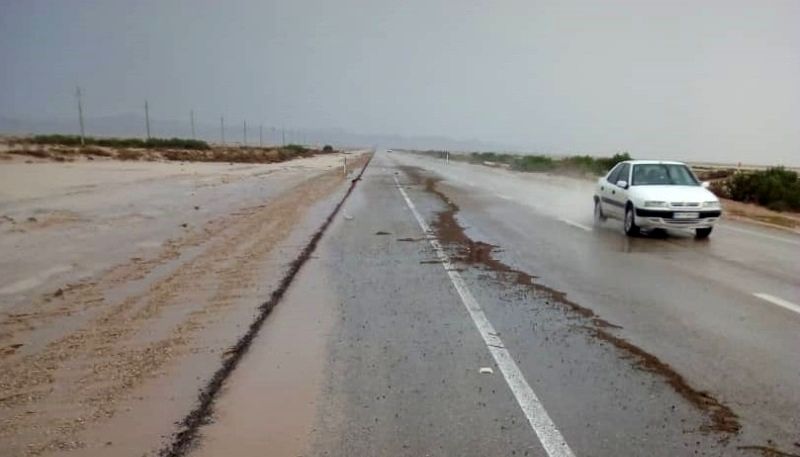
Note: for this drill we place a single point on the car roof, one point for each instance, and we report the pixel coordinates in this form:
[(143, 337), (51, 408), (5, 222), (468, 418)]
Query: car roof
[(640, 162)]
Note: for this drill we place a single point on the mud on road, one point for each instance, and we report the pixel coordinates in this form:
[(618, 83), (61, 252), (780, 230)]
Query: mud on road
[(84, 355), (722, 421)]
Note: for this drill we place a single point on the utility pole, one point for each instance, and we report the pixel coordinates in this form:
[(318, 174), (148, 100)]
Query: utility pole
[(283, 136), (80, 113), (147, 119), (191, 116), (245, 133), (222, 129), (261, 135)]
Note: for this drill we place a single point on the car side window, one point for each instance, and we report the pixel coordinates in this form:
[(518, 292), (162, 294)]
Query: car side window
[(612, 177), (623, 173)]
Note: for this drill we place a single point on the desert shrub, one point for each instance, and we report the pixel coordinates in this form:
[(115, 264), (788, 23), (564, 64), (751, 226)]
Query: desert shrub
[(66, 140), (533, 163), (606, 163), (480, 157), (776, 188), (713, 174), (540, 162), (327, 149), (295, 148), (152, 143)]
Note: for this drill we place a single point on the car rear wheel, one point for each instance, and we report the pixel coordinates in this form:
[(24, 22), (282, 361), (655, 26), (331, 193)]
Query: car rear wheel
[(702, 233), (631, 229), (599, 217)]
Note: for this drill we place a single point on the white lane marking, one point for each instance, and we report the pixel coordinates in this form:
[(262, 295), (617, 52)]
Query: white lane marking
[(576, 224), (504, 196), (762, 235), (550, 437), (778, 301)]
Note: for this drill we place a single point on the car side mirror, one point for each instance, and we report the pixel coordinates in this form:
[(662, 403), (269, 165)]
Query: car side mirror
[(623, 184), (705, 184)]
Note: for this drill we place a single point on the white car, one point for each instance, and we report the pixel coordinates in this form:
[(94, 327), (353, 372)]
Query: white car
[(650, 194)]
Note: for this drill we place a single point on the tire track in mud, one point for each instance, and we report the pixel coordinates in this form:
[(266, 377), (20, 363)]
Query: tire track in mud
[(185, 438), (722, 420)]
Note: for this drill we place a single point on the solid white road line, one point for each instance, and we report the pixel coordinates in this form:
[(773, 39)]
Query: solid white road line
[(576, 224), (551, 439), (760, 235), (778, 301)]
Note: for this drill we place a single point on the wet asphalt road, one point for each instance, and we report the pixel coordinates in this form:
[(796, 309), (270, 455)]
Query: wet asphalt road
[(676, 356)]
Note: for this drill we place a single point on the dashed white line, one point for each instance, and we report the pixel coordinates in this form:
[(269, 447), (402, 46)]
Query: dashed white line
[(778, 301), (549, 436), (576, 224)]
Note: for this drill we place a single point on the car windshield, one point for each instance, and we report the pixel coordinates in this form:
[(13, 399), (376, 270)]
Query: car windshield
[(663, 174)]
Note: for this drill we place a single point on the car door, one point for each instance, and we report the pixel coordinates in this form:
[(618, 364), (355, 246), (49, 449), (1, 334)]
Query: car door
[(605, 190), (618, 196)]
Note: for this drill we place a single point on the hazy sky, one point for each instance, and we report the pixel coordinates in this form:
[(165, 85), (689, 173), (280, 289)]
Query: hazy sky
[(713, 80)]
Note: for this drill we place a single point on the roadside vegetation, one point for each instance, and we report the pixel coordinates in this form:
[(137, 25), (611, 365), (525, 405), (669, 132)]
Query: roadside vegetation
[(579, 164), (67, 148), (775, 188), (151, 143)]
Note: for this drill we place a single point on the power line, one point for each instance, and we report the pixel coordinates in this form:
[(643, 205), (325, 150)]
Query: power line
[(147, 119), (80, 113), (191, 116)]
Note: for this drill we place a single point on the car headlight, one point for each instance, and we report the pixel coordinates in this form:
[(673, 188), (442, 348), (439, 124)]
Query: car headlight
[(711, 204), (655, 204)]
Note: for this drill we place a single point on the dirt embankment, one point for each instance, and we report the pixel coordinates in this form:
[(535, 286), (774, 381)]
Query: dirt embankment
[(754, 213), (79, 356), (10, 147)]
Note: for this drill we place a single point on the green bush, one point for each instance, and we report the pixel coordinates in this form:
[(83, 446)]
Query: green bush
[(152, 143), (539, 162), (606, 163), (776, 188), (296, 148), (533, 163)]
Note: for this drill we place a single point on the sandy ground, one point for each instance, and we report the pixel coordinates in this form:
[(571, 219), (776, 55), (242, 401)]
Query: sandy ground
[(122, 284)]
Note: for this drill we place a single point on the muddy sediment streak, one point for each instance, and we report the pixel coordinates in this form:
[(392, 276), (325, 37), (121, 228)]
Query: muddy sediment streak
[(722, 419), (185, 438)]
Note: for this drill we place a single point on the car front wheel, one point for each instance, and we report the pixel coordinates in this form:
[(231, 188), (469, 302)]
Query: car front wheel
[(631, 229), (702, 233)]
